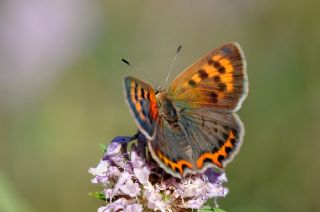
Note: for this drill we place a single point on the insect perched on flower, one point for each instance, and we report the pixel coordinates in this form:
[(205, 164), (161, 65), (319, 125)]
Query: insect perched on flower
[(193, 125)]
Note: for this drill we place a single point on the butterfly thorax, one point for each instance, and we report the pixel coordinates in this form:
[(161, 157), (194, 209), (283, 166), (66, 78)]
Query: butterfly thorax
[(166, 108)]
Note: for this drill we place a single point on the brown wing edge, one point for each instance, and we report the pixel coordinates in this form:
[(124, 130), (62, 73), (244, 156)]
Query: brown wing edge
[(245, 77)]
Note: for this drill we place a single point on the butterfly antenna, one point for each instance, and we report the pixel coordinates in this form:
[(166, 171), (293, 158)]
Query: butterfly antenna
[(156, 86), (172, 65)]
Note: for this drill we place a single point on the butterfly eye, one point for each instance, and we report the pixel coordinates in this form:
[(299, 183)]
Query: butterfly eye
[(157, 91)]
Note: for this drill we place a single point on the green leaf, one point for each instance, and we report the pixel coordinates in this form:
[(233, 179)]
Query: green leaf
[(103, 147), (208, 208), (98, 195)]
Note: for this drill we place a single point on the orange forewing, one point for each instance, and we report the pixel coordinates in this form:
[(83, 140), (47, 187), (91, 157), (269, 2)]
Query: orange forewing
[(141, 99), (218, 79)]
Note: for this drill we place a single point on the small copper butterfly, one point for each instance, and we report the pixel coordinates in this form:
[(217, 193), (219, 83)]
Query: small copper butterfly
[(193, 125)]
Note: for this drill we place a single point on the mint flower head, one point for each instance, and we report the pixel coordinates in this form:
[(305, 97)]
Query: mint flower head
[(131, 181)]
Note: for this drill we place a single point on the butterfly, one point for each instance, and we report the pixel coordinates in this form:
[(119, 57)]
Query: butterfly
[(193, 125)]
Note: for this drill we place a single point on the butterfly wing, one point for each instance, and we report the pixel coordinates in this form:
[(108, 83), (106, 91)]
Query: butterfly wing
[(206, 95), (141, 99), (200, 139), (215, 137), (218, 80), (171, 149)]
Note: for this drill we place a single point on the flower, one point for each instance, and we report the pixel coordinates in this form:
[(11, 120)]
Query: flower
[(131, 182)]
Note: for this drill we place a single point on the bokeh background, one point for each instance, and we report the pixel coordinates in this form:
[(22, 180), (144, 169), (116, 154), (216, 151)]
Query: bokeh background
[(61, 93)]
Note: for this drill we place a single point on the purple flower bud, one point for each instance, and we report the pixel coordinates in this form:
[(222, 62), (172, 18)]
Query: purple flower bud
[(212, 175), (113, 148)]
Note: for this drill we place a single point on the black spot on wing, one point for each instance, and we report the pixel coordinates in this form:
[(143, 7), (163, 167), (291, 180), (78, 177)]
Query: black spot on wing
[(235, 132), (228, 150), (177, 169), (214, 97), (220, 158), (184, 166), (217, 66), (222, 86), (233, 141), (142, 93), (136, 91), (225, 136), (207, 160), (215, 149), (217, 78), (221, 70), (203, 74), (192, 83)]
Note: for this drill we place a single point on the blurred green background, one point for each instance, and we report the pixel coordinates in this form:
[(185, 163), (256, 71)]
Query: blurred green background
[(61, 93)]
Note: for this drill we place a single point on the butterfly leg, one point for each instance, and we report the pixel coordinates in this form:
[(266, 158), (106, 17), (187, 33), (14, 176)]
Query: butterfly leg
[(141, 144), (125, 139)]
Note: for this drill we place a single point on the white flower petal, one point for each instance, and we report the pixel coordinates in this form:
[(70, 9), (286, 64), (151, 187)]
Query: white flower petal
[(101, 169), (222, 178), (142, 174), (123, 178), (133, 208), (130, 188)]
